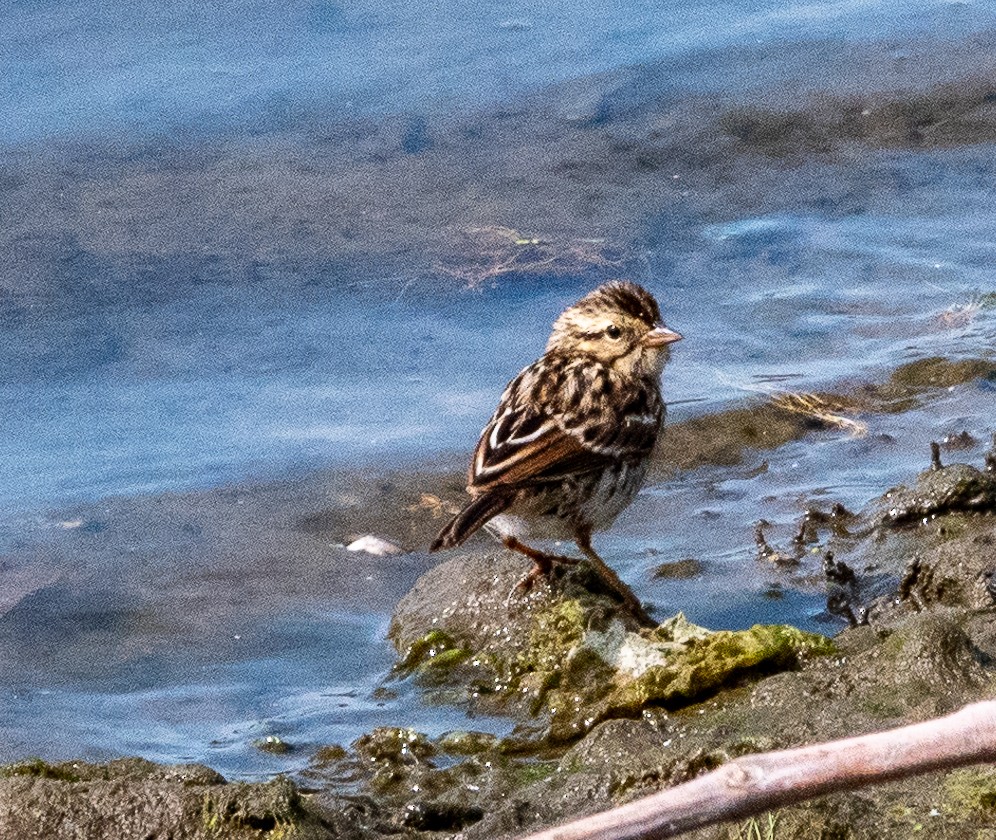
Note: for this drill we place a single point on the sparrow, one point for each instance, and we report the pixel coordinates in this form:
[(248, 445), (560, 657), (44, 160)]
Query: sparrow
[(569, 444)]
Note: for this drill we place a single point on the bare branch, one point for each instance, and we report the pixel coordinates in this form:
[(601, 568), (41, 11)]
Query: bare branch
[(757, 783)]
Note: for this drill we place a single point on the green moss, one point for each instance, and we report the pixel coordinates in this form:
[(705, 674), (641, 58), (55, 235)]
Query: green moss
[(971, 793), (445, 659), (272, 810), (556, 631), (534, 771), (436, 649), (704, 665), (39, 769), (575, 672), (432, 658)]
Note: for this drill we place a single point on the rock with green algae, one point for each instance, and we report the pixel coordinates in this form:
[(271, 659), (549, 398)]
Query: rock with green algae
[(133, 797), (569, 655), (681, 662), (972, 792), (925, 667)]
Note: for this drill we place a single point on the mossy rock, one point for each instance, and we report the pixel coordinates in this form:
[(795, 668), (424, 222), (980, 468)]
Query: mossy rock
[(569, 656), (133, 797), (705, 663), (971, 793)]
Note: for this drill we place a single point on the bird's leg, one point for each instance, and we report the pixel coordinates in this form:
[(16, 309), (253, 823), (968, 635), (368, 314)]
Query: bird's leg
[(542, 562), (611, 579)]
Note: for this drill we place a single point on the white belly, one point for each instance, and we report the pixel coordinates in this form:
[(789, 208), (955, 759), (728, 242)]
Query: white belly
[(598, 507)]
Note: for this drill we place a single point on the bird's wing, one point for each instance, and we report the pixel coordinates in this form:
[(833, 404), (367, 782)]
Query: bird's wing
[(520, 447)]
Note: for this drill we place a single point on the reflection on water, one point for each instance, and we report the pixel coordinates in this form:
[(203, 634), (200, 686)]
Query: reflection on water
[(184, 310)]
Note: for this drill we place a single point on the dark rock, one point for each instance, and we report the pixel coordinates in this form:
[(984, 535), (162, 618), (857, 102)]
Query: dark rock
[(395, 744), (136, 798), (958, 488), (679, 569), (768, 554), (273, 744), (467, 743), (440, 816)]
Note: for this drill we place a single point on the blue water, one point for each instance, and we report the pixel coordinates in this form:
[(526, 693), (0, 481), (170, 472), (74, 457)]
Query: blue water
[(225, 383), (115, 385), (74, 69)]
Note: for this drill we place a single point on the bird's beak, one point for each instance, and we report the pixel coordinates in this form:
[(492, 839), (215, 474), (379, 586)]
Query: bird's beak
[(660, 336)]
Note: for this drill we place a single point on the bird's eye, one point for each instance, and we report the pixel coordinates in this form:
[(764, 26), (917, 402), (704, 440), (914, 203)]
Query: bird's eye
[(612, 331)]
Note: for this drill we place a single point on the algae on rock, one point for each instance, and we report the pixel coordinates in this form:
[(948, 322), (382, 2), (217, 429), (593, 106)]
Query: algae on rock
[(571, 656)]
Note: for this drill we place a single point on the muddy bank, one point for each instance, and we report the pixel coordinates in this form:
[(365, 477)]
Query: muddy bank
[(575, 179)]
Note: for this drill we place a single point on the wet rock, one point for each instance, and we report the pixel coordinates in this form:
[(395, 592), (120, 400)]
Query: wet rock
[(843, 592), (440, 816), (767, 554), (920, 545), (928, 665), (679, 569), (406, 790), (934, 650), (837, 521), (958, 440), (939, 372), (467, 743), (956, 572), (394, 744), (568, 657), (619, 758), (273, 744), (137, 798), (958, 488)]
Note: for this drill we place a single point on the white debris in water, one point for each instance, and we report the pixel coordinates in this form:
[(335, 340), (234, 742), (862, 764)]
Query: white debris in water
[(374, 545)]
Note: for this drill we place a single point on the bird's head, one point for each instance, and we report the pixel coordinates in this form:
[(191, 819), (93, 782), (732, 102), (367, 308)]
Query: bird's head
[(618, 324)]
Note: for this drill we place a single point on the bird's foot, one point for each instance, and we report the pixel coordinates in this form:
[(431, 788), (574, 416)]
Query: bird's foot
[(542, 569), (543, 563)]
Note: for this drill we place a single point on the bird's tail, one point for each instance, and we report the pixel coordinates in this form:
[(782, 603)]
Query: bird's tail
[(474, 514)]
